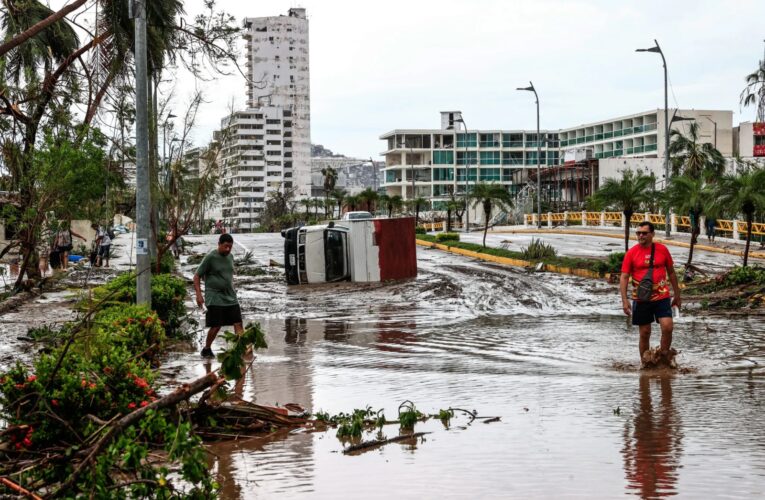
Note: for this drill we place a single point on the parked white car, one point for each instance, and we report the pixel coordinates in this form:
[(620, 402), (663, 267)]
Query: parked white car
[(357, 216)]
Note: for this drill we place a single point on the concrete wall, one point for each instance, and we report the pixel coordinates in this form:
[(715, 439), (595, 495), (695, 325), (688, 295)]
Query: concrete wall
[(612, 168)]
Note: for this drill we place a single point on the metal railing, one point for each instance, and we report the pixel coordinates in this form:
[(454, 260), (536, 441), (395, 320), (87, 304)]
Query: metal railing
[(679, 223)]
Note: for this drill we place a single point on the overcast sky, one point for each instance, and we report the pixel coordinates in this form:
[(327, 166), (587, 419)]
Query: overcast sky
[(376, 66)]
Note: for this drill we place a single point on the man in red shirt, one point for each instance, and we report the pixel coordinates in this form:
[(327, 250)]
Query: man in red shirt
[(659, 307)]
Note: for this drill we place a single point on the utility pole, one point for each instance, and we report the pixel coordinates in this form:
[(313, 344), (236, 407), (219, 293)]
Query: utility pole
[(143, 188)]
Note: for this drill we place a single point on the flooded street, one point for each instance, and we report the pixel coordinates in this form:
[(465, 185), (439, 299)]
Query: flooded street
[(552, 355)]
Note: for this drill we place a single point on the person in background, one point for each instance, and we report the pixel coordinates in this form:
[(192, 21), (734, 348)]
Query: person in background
[(103, 244), (64, 244), (710, 226)]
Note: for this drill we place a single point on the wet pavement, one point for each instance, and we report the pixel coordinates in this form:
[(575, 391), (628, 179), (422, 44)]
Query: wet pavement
[(552, 355)]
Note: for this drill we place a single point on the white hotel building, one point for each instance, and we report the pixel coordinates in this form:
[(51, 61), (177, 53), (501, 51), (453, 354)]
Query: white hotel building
[(437, 157), (267, 146)]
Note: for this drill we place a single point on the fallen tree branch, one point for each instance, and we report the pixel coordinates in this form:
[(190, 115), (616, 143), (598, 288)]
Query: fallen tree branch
[(180, 394), (18, 489), (381, 442)]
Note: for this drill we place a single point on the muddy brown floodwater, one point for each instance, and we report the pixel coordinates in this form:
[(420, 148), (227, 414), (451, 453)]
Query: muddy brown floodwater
[(552, 355)]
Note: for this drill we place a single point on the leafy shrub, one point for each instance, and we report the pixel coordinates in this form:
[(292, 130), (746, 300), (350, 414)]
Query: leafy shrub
[(440, 237), (420, 230), (612, 264), (167, 295), (166, 265), (137, 328), (749, 275), (538, 250)]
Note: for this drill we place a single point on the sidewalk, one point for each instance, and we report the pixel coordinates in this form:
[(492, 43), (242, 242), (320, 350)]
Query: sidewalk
[(678, 239)]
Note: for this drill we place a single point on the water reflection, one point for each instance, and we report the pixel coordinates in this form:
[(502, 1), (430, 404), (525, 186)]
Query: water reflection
[(653, 440)]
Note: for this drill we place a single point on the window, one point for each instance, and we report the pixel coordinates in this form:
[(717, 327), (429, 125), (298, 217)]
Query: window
[(441, 190), (273, 122), (472, 158), (443, 174), (489, 140), (336, 267), (461, 174), (512, 158), (490, 174), (466, 140), (489, 157), (443, 157)]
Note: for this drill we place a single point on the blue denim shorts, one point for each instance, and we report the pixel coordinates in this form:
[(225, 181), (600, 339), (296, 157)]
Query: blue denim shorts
[(645, 313)]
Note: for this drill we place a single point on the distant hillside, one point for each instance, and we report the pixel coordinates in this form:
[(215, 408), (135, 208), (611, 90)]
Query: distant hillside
[(319, 151)]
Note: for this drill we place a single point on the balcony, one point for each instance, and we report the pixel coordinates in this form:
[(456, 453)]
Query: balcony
[(512, 144), (649, 147)]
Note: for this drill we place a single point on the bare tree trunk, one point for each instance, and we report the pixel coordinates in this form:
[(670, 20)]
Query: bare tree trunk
[(627, 217), (749, 221)]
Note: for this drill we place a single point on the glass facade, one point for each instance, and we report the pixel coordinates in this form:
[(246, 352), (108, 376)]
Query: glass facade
[(443, 157), (443, 174), (490, 174), (472, 157), (467, 140), (471, 175), (489, 157)]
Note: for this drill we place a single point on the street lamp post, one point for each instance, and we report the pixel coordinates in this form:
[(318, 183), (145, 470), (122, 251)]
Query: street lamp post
[(531, 88), (467, 173), (657, 49)]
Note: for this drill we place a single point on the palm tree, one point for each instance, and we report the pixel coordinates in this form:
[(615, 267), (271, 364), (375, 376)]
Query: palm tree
[(352, 201), (626, 194), (330, 179), (417, 204), (744, 193), (754, 91), (368, 197), (339, 195), (692, 196), (490, 196), (394, 203), (696, 159), (306, 202), (382, 201)]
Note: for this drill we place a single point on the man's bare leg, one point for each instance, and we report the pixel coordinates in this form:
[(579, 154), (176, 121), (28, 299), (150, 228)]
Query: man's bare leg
[(211, 334), (667, 326), (645, 339)]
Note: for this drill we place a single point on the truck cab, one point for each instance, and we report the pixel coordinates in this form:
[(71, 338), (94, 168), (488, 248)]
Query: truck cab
[(355, 250)]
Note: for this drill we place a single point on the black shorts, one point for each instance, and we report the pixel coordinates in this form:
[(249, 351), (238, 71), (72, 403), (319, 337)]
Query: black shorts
[(104, 251), (223, 315), (645, 313)]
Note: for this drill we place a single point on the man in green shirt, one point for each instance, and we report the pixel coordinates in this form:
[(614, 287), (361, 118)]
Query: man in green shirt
[(217, 271)]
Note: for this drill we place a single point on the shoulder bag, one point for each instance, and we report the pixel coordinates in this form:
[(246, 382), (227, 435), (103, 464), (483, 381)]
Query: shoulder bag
[(645, 288)]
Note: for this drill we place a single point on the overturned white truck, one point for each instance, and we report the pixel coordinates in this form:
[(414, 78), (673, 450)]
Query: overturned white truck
[(353, 250)]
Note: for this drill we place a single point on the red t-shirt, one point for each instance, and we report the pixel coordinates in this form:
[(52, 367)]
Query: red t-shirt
[(636, 264)]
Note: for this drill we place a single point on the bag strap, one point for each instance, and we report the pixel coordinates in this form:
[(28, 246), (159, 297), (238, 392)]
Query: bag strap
[(653, 251)]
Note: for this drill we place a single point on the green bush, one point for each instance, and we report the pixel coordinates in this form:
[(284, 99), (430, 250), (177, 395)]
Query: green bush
[(167, 295), (538, 250), (137, 328), (420, 230), (745, 275), (61, 404), (166, 265), (440, 237), (612, 264)]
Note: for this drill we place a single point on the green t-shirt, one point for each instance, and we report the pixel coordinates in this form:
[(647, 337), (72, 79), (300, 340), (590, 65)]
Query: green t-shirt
[(217, 272)]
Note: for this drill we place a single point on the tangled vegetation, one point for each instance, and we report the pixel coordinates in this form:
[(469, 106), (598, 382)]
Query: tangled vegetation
[(741, 287), (65, 416), (167, 295)]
